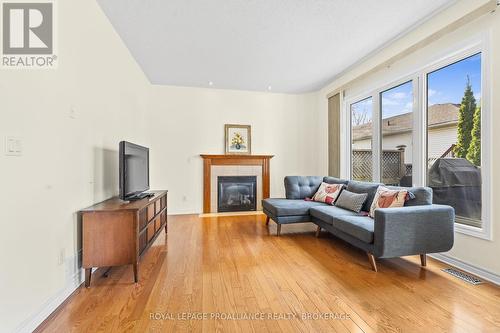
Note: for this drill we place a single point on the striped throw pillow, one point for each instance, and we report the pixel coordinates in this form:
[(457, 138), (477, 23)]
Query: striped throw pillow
[(351, 201)]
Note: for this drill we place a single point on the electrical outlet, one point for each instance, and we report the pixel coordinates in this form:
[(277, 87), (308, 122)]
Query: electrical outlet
[(73, 113), (62, 257)]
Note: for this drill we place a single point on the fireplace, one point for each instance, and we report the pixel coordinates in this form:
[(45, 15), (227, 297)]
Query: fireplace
[(236, 193), (215, 166)]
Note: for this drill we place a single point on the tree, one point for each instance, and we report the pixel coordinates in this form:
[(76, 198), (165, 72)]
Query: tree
[(359, 118), (465, 122), (474, 152)]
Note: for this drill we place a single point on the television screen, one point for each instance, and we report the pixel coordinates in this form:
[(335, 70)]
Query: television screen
[(134, 170)]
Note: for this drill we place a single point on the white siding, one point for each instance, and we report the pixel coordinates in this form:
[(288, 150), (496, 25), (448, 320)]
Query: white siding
[(392, 141), (362, 144), (440, 140)]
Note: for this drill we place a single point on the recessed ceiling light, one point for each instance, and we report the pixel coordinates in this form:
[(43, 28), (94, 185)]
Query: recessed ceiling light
[(269, 88), (210, 83)]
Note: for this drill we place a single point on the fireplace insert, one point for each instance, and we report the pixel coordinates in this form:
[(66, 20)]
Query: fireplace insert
[(236, 193)]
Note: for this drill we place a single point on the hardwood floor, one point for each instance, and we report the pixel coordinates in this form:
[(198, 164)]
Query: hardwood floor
[(236, 266)]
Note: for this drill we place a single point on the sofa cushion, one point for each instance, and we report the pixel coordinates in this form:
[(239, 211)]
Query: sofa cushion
[(360, 227), (364, 187), (334, 180), (289, 207), (301, 187), (422, 195), (327, 213)]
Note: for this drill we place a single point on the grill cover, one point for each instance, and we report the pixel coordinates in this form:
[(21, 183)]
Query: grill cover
[(457, 182)]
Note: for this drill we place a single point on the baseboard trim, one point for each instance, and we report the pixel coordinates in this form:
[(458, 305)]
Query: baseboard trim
[(480, 272), (35, 320)]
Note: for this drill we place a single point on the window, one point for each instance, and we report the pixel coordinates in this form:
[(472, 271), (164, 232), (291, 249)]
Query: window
[(361, 140), (429, 128), (454, 137), (396, 109)]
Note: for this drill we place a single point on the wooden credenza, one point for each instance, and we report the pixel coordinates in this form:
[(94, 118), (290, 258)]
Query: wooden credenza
[(116, 232)]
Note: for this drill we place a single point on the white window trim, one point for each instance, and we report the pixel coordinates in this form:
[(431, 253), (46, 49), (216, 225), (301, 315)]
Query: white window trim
[(478, 44), (348, 132), (416, 148)]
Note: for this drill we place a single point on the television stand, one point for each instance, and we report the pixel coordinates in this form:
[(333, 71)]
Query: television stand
[(115, 232)]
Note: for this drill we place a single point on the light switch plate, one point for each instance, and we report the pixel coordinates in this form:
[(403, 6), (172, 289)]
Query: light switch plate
[(13, 146)]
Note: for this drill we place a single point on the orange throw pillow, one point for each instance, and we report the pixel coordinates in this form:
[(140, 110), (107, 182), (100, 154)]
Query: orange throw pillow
[(328, 193), (387, 198)]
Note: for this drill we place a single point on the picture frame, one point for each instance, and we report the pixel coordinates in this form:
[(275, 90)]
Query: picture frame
[(238, 139)]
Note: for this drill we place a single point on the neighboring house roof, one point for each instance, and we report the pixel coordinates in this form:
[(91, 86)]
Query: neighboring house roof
[(439, 115)]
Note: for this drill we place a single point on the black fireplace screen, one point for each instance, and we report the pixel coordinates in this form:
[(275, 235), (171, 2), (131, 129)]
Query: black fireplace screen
[(236, 193)]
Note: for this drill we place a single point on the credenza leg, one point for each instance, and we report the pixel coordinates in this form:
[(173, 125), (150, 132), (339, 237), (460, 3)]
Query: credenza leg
[(136, 277), (88, 276), (106, 273)]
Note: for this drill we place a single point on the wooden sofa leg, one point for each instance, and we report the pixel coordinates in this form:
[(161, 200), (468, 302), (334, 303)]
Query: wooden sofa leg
[(267, 220), (423, 260), (372, 261), (318, 230), (278, 229)]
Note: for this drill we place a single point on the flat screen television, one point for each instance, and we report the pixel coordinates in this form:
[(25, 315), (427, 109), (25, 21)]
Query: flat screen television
[(134, 171)]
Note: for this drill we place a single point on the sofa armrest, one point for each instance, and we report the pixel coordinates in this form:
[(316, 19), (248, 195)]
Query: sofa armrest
[(413, 230)]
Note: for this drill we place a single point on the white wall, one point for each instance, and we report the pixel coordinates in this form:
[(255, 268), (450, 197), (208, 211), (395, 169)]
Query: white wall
[(187, 122), (474, 251), (71, 162), (67, 163)]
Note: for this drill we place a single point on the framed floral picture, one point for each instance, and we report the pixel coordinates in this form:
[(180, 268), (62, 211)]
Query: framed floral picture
[(238, 139)]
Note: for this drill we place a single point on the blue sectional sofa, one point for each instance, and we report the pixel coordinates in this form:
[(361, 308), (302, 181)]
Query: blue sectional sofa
[(419, 227)]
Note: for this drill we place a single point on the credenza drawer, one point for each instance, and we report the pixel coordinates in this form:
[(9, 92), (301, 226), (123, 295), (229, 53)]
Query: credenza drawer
[(143, 219), (151, 211), (157, 224), (157, 207), (151, 230), (143, 241)]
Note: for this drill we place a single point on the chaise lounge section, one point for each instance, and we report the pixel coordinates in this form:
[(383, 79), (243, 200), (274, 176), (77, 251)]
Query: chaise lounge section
[(419, 227)]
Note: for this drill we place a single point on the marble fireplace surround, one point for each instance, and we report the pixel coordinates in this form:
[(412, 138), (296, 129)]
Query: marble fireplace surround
[(234, 165)]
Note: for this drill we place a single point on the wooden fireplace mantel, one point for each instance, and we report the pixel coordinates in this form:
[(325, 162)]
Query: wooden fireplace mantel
[(209, 160)]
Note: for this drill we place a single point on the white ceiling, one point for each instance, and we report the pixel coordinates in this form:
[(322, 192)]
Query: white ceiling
[(293, 46)]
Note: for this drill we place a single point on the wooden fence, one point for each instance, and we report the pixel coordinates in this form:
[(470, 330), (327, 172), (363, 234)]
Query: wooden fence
[(393, 165)]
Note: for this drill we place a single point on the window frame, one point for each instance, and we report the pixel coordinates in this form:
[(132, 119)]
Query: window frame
[(481, 46), (470, 47), (348, 121), (414, 79)]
